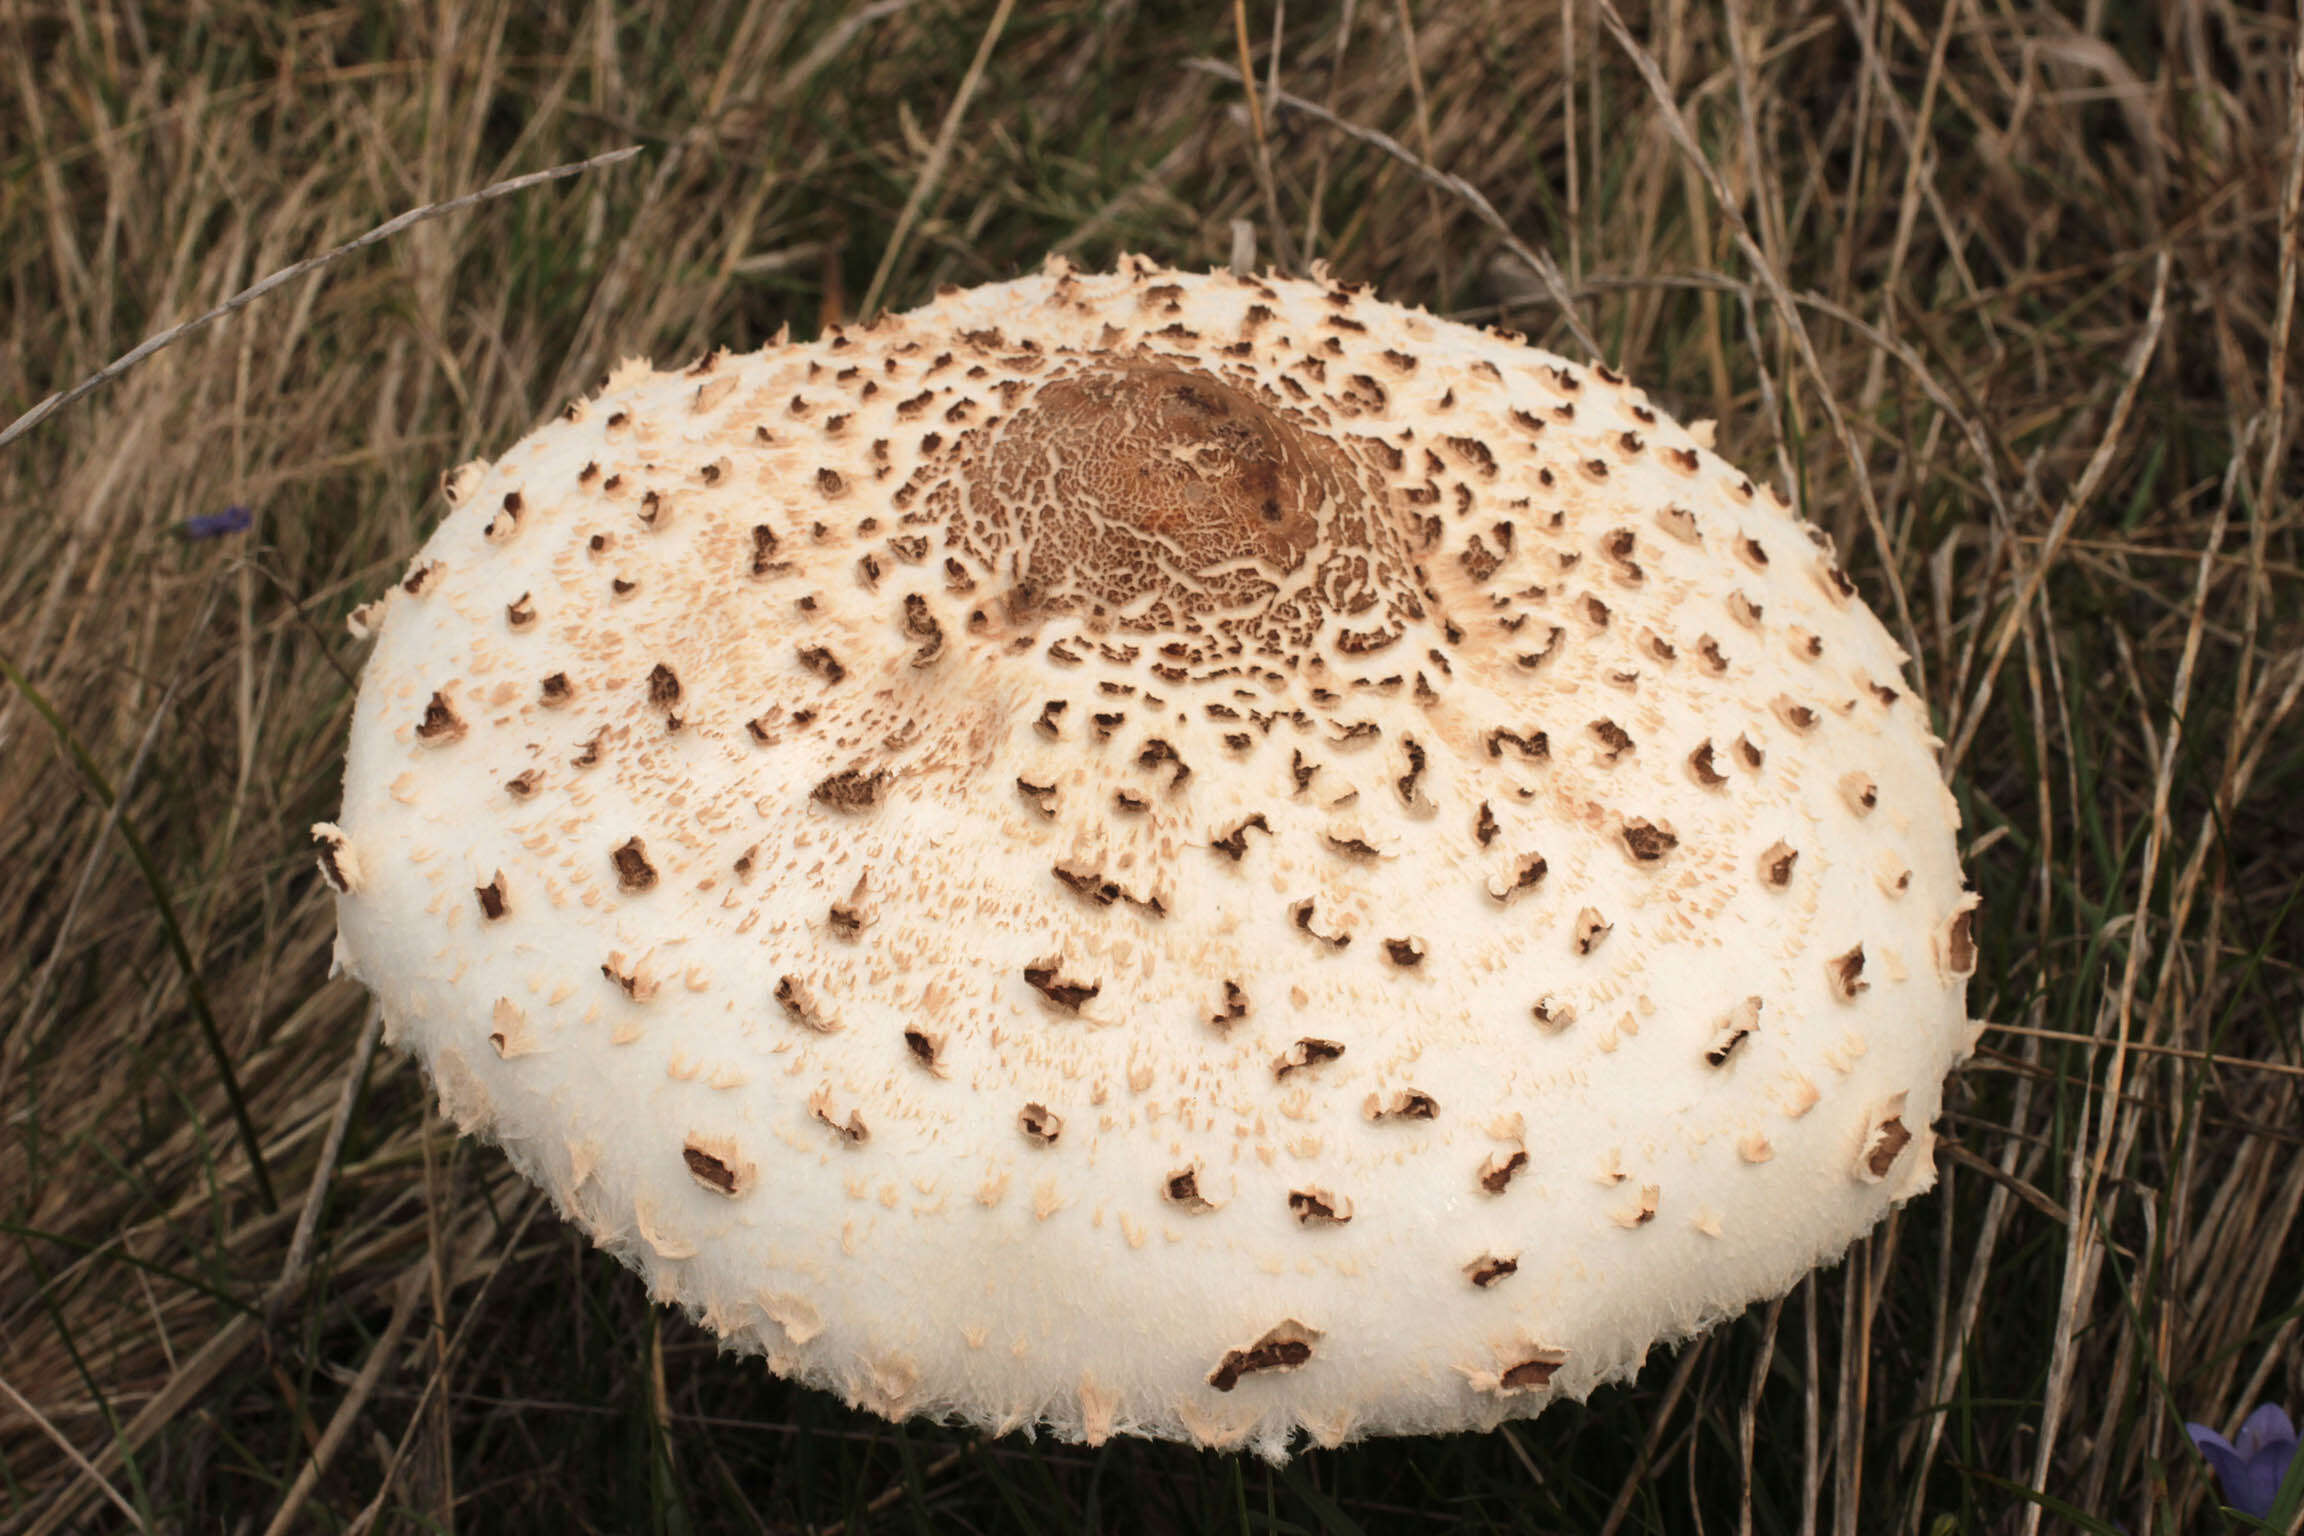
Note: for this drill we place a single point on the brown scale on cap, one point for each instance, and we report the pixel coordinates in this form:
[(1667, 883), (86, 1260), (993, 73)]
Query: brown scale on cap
[(823, 663), (1046, 978), (1794, 713), (1301, 913), (1497, 1173), (1884, 1141), (494, 905), (1159, 754), (1183, 1188), (1847, 974), (1041, 797), (629, 976), (1532, 1372), (1304, 1053), (1647, 842), (714, 1164), (850, 1128), (506, 523), (764, 562), (1531, 745), (1740, 1024), (850, 916), (923, 626), (926, 1049), (1040, 1124), (634, 874), (1960, 938), (1526, 873), (1489, 1268), (1888, 1142), (1284, 1348), (1317, 1207), (1641, 1210), (798, 1000), (339, 865), (1402, 1104), (441, 724), (851, 790)]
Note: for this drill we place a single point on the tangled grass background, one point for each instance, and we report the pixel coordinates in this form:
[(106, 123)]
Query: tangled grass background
[(2005, 292)]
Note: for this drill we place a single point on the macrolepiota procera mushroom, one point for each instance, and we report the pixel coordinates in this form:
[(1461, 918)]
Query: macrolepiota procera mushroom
[(1195, 856)]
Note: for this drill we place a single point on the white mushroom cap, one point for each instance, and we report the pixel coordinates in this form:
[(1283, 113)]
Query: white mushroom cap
[(1190, 856)]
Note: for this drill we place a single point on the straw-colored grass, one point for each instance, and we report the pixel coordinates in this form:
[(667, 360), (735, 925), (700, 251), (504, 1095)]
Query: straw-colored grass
[(2006, 292)]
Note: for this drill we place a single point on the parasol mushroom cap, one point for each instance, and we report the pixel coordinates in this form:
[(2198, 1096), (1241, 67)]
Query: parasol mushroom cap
[(1196, 856)]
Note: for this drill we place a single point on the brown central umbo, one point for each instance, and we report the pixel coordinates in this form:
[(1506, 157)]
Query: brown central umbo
[(1160, 497)]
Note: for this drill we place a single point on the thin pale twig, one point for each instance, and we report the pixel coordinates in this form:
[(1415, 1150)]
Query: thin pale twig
[(72, 1453), (452, 1345), (1788, 312), (939, 155), (331, 1150), (289, 274), (2199, 1058), (165, 1408), (1747, 1422), (892, 1495), (1416, 97), (381, 1354), (1538, 261), (2140, 354), (1657, 1421), (1267, 185), (26, 1033), (1811, 1411), (1344, 17)]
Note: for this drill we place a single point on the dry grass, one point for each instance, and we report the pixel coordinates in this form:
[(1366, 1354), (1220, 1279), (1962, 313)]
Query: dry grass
[(2007, 293)]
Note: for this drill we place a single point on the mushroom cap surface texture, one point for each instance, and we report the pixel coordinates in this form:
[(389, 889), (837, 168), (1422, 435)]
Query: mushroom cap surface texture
[(1192, 856)]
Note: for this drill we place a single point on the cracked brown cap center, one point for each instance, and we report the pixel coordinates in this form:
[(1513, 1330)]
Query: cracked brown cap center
[(1156, 492)]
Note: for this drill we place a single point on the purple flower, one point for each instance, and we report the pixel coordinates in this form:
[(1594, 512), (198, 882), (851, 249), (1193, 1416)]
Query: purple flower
[(215, 525), (2252, 1467)]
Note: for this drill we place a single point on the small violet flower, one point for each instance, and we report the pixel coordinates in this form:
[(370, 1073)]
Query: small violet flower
[(215, 525), (2251, 1467)]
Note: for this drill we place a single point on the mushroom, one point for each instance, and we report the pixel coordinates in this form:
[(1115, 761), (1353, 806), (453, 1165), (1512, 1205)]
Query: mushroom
[(1111, 852)]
